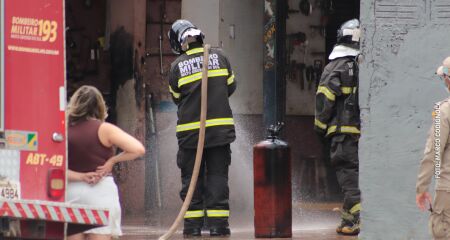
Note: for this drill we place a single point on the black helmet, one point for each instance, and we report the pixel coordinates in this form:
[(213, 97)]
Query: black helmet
[(349, 33), (176, 32)]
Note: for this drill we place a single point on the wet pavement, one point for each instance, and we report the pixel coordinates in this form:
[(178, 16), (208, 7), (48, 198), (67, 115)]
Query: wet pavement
[(136, 233), (144, 233), (310, 222)]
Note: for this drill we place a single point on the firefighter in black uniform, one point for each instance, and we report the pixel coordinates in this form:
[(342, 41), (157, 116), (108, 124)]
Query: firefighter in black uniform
[(210, 200), (337, 119)]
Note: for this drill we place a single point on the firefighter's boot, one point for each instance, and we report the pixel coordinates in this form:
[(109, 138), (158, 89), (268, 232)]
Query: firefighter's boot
[(350, 223), (192, 232), (219, 232)]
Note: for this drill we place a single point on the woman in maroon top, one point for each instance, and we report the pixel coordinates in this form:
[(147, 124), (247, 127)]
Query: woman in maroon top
[(91, 159)]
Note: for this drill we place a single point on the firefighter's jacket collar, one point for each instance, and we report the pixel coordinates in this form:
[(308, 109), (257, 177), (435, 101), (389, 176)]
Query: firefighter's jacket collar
[(343, 51)]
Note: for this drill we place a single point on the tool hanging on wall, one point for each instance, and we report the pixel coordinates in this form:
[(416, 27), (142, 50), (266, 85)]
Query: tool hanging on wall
[(297, 38), (292, 71), (161, 55), (326, 6), (291, 11), (294, 39), (296, 72), (318, 66), (94, 56), (305, 7), (162, 17), (320, 29), (301, 79), (309, 72), (154, 150)]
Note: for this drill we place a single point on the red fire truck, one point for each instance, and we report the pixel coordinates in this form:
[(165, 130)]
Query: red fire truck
[(33, 159)]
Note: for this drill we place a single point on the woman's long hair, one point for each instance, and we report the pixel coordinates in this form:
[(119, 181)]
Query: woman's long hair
[(86, 102)]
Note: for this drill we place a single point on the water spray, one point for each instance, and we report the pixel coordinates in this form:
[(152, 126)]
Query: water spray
[(200, 145)]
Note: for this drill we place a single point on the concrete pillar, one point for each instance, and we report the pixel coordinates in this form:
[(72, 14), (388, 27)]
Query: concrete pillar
[(274, 77), (128, 28), (403, 44)]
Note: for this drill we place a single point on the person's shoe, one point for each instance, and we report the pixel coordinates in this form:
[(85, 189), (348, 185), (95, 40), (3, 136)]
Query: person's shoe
[(343, 224), (351, 230), (350, 224), (219, 232), (192, 232)]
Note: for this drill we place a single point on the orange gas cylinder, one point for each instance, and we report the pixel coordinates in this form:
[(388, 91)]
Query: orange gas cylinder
[(272, 187)]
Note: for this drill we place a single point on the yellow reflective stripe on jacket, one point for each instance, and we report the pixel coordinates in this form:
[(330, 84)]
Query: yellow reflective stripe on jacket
[(218, 213), (346, 90), (197, 76), (194, 51), (230, 80), (344, 129), (218, 72), (194, 214), (174, 94), (320, 124), (209, 123), (327, 92)]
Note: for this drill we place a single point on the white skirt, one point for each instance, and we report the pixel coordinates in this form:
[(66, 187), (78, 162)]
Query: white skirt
[(104, 194)]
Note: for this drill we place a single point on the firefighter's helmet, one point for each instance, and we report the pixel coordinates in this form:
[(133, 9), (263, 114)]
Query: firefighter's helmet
[(180, 32), (349, 34)]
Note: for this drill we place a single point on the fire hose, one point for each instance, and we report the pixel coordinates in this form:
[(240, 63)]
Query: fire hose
[(200, 145)]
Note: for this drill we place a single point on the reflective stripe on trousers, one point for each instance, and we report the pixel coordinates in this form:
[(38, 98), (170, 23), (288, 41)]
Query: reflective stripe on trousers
[(194, 214), (343, 129), (218, 213)]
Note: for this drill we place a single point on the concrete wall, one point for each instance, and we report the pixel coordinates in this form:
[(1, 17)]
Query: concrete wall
[(245, 51), (120, 14), (204, 15), (397, 91)]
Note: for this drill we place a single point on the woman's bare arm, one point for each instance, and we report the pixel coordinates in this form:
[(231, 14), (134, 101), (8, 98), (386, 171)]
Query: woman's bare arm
[(111, 135)]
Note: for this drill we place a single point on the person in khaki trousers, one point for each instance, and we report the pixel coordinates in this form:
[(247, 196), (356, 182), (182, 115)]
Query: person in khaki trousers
[(436, 163)]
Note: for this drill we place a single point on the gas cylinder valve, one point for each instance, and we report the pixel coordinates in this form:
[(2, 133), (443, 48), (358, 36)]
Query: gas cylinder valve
[(274, 130)]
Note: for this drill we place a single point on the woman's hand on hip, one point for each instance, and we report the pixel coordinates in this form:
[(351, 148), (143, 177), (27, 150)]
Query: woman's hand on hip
[(106, 168), (91, 178)]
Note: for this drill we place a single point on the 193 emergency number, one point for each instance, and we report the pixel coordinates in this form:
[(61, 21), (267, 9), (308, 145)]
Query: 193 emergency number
[(48, 30)]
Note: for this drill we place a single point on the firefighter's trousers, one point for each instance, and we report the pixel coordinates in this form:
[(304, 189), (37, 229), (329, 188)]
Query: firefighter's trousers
[(440, 217), (210, 199), (344, 158)]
